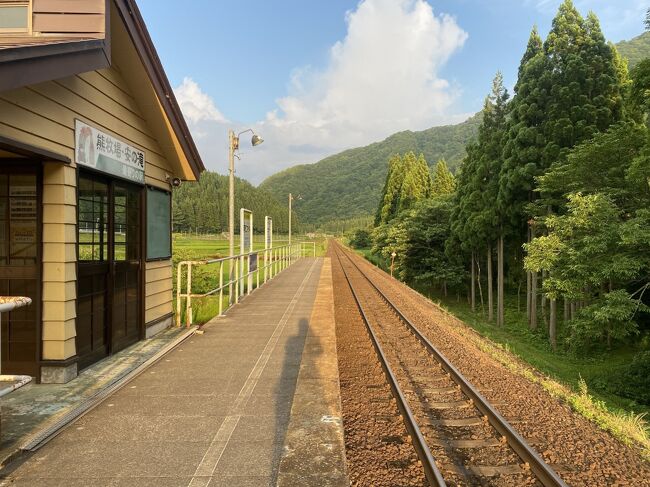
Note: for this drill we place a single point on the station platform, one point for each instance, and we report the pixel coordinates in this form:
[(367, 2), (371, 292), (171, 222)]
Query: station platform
[(252, 401)]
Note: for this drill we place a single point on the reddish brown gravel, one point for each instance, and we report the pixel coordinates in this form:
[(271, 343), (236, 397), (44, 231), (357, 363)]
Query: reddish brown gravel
[(581, 453), (470, 453), (377, 446)]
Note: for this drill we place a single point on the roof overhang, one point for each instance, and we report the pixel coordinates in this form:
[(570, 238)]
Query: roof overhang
[(30, 64), (30, 151)]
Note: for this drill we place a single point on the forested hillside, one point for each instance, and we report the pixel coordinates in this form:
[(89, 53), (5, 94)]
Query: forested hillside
[(635, 50), (348, 184), (203, 207)]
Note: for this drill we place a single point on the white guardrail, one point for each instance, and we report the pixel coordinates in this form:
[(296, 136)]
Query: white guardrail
[(237, 275)]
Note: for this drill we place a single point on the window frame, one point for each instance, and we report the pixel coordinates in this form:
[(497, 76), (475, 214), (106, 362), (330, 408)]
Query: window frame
[(30, 13)]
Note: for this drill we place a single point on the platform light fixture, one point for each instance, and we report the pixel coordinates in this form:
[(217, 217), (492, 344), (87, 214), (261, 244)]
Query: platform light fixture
[(233, 146)]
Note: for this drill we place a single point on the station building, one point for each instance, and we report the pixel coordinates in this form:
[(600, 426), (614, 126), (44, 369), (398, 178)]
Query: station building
[(91, 140)]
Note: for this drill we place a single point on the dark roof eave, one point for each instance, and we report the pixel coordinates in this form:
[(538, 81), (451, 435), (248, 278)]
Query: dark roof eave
[(149, 57), (28, 65), (31, 151)]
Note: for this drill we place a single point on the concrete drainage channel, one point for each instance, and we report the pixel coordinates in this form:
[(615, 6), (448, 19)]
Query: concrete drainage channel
[(42, 437)]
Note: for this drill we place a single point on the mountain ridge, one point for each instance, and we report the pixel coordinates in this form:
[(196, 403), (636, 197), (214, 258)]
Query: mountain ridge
[(330, 187)]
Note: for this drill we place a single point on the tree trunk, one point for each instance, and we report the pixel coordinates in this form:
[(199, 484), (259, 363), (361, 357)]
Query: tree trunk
[(566, 310), (573, 309), (489, 280), (552, 329), (480, 287), (444, 288), (500, 287), (528, 289), (473, 286), (533, 301), (519, 297), (543, 301)]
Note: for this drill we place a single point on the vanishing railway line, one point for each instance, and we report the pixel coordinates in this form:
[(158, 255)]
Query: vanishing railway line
[(459, 438)]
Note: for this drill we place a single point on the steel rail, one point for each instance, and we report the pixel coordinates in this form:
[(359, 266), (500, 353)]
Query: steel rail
[(544, 473), (431, 471)]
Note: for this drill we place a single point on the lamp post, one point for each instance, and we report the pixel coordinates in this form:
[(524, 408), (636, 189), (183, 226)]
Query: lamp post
[(233, 146)]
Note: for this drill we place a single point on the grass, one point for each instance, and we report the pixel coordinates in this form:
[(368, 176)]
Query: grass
[(206, 277), (576, 380)]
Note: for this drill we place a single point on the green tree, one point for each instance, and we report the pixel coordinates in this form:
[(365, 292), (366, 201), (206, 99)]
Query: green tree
[(417, 181), (426, 229), (408, 181), (391, 192), (522, 153), (444, 182), (490, 148), (597, 252)]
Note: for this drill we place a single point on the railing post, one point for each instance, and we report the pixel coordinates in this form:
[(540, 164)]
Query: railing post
[(188, 301), (249, 277), (221, 288), (236, 283), (179, 291)]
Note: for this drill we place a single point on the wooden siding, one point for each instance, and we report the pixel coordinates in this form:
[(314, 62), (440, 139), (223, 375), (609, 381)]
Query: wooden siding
[(69, 23), (69, 6), (69, 17), (158, 299)]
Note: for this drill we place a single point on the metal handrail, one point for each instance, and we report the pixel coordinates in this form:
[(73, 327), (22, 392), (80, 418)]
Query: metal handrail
[(276, 259)]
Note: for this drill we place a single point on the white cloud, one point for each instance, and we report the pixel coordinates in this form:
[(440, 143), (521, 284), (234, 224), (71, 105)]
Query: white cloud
[(383, 77), (195, 104)]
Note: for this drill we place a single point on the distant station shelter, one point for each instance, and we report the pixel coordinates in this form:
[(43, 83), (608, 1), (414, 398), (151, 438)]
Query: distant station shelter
[(91, 143)]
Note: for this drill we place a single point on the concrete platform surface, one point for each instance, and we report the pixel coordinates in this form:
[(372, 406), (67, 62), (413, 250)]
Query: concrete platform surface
[(31, 409), (223, 409)]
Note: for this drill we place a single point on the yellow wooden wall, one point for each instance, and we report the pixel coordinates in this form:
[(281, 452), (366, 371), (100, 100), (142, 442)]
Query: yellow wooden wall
[(43, 115)]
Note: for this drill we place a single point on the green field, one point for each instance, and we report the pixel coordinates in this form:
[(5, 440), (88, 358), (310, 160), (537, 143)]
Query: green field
[(205, 278)]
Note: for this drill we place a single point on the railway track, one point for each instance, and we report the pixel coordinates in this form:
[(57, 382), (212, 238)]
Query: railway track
[(459, 437)]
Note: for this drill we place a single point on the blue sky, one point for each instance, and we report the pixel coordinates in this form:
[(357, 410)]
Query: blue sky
[(317, 76)]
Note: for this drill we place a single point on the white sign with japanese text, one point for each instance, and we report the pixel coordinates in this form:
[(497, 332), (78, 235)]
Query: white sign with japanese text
[(105, 153)]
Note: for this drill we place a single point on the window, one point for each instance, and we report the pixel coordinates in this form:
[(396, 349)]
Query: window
[(93, 220), (159, 224), (15, 17)]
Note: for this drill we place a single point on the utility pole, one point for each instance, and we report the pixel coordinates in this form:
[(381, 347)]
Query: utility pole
[(233, 143)]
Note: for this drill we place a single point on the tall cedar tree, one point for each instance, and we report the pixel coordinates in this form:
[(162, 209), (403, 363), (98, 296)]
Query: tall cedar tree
[(390, 195), (476, 219), (408, 181), (522, 154), (444, 182), (467, 201), (525, 139), (486, 180), (417, 181)]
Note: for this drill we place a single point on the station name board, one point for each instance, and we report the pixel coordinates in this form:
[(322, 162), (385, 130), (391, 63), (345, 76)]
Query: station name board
[(105, 153)]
